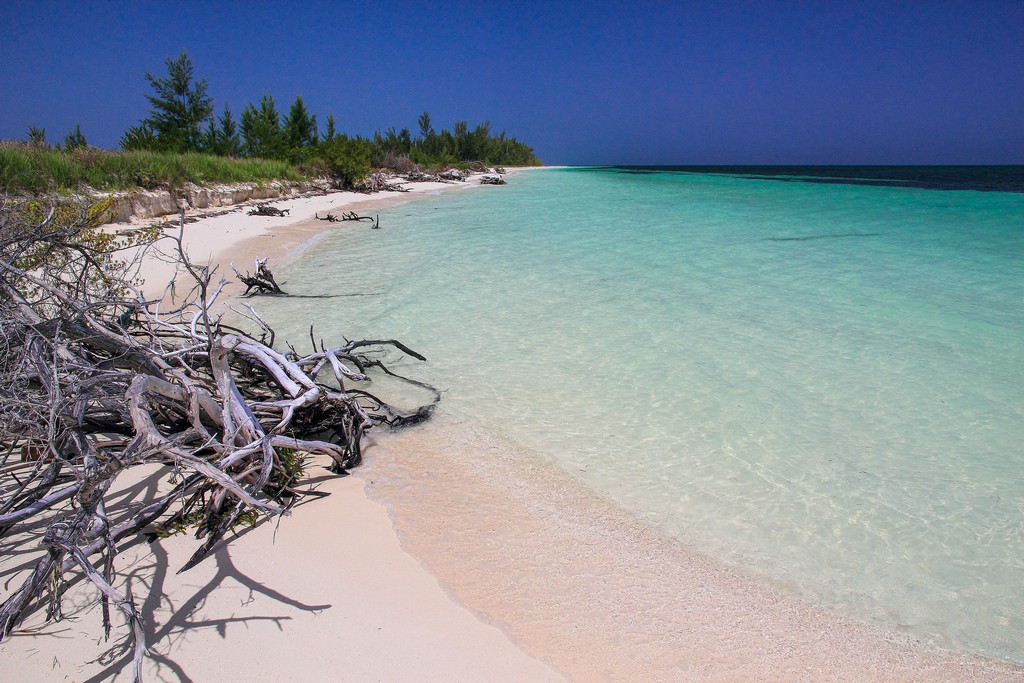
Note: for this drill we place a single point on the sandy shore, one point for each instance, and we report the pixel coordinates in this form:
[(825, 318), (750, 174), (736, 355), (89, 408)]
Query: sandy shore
[(325, 594), (451, 556), (220, 237), (580, 583)]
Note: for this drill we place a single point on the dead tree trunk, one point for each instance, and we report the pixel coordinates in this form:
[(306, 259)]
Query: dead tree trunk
[(262, 280), (95, 380), (267, 210), (348, 216)]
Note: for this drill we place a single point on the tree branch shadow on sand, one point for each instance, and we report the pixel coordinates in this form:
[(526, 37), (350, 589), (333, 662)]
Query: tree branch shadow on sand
[(164, 638), (103, 389), (148, 577)]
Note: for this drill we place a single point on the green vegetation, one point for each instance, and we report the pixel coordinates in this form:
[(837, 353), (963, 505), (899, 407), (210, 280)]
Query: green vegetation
[(180, 107), (293, 467), (200, 519), (36, 136), (40, 169), (75, 139), (67, 242), (451, 148), (182, 140)]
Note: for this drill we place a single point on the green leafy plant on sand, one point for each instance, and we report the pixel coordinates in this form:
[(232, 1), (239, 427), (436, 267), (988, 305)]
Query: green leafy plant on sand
[(198, 519), (292, 469), (347, 159), (92, 260), (293, 466)]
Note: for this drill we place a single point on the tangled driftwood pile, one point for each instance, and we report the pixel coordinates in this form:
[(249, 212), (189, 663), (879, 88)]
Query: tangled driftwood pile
[(267, 210), (379, 182), (95, 381)]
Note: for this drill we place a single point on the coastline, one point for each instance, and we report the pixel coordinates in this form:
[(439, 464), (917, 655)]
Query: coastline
[(216, 238), (522, 550), (260, 604), (330, 578), (581, 583)]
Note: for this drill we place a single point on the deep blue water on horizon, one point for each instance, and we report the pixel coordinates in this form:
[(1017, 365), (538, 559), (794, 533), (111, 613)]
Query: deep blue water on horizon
[(978, 178), (815, 374)]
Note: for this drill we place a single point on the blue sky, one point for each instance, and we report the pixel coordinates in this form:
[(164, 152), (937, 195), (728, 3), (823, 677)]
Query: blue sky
[(757, 82)]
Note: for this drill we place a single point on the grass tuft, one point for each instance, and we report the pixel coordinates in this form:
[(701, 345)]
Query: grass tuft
[(27, 168)]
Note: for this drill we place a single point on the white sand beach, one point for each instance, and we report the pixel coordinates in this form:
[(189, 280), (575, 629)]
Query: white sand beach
[(219, 237), (432, 564), (326, 593)]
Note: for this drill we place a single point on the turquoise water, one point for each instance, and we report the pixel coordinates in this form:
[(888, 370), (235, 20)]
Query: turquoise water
[(821, 384)]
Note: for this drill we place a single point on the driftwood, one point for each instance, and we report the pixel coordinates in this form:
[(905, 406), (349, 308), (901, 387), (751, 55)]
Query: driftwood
[(345, 216), (449, 176), (95, 381), (418, 176), (457, 175), (453, 174), (379, 182), (348, 216), (262, 280), (267, 210)]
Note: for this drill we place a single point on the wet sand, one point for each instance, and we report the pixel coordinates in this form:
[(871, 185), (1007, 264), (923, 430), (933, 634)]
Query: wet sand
[(463, 560), (580, 583), (326, 593)]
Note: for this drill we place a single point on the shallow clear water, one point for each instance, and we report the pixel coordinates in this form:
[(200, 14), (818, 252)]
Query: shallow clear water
[(822, 384)]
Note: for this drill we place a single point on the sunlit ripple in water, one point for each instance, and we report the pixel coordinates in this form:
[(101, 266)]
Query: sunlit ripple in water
[(822, 384)]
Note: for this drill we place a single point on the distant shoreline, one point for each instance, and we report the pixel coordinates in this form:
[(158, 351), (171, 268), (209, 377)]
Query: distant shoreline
[(280, 590), (218, 237)]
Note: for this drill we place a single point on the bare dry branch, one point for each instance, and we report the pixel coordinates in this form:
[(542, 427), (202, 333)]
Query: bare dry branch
[(96, 380)]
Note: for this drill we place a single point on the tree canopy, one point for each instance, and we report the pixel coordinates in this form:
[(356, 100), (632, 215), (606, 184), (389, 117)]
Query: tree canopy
[(182, 120), (181, 106)]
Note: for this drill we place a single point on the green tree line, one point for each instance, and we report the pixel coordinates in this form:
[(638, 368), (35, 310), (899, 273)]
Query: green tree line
[(182, 119)]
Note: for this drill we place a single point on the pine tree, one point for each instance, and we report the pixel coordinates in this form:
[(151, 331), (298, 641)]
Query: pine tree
[(262, 135), (75, 139), (229, 142), (180, 107), (462, 144), (330, 133), (300, 126), (426, 130), (139, 137), (210, 143)]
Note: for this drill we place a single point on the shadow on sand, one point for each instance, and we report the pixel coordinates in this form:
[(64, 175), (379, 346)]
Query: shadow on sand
[(148, 576)]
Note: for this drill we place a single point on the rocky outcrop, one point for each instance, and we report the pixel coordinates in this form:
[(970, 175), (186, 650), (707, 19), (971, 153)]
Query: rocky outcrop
[(143, 204)]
